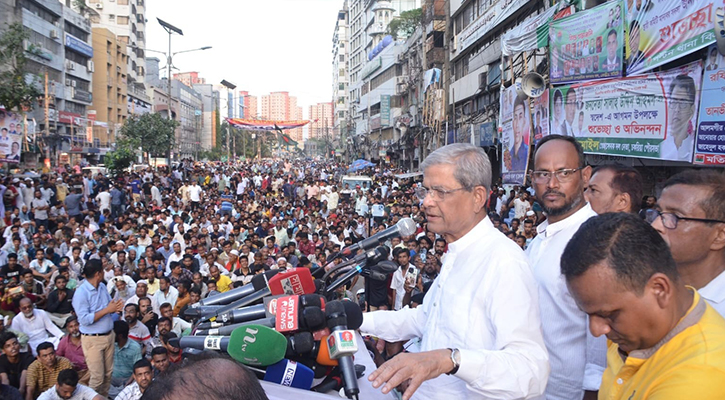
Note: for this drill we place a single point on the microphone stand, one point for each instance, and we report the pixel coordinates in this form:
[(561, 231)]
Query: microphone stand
[(346, 278)]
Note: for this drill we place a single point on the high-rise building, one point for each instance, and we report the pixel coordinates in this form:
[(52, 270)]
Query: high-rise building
[(280, 106), (127, 20), (249, 105), (109, 85), (208, 102), (322, 122), (340, 72), (189, 78)]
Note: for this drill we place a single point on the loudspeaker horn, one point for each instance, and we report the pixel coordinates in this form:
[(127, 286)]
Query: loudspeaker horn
[(533, 85)]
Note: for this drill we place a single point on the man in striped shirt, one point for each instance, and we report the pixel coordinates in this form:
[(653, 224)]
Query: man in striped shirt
[(137, 331)]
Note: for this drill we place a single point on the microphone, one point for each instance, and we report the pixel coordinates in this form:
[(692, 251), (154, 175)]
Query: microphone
[(258, 282), (300, 343), (404, 227), (360, 262), (342, 342), (293, 281), (290, 373), (235, 316), (309, 319), (333, 381), (199, 311), (253, 345)]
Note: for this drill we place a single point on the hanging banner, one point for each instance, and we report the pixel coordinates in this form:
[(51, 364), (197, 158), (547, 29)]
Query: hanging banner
[(515, 136), (661, 31), (385, 110), (540, 113), (11, 135), (259, 125), (588, 45), (529, 35), (710, 141), (649, 116)]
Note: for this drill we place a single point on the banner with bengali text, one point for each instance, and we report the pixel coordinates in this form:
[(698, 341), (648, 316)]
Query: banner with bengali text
[(710, 141), (648, 116), (588, 45), (661, 31), (515, 136)]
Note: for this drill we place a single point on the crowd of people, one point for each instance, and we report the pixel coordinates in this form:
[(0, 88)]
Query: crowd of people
[(98, 271)]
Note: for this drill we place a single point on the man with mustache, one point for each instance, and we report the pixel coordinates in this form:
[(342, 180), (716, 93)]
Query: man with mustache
[(577, 358), (70, 348)]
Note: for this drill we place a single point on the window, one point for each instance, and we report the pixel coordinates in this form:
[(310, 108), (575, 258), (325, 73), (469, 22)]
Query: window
[(112, 17), (467, 16), (342, 58), (76, 57), (123, 39), (76, 31), (122, 2), (122, 20)]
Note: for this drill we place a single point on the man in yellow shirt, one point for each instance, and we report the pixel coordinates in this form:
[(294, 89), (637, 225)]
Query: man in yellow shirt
[(223, 282), (665, 341)]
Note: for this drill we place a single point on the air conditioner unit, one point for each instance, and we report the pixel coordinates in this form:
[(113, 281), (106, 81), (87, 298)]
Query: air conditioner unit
[(69, 65), (483, 80), (67, 82), (98, 5), (54, 34), (91, 66), (73, 83), (26, 44), (72, 93)]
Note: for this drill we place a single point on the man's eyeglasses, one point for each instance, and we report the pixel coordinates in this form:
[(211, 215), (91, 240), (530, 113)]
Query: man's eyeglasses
[(562, 175), (435, 194), (670, 220)]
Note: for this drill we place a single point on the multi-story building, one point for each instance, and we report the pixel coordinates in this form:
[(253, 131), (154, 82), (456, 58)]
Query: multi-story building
[(127, 20), (280, 106), (249, 105), (188, 141), (340, 70), (209, 98), (110, 103), (322, 122), (189, 78)]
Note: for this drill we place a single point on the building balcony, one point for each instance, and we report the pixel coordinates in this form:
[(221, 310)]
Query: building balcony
[(376, 28)]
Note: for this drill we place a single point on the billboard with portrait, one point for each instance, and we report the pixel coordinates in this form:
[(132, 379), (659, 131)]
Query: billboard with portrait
[(11, 136), (587, 45), (515, 136), (661, 31), (710, 140), (540, 113), (649, 116)]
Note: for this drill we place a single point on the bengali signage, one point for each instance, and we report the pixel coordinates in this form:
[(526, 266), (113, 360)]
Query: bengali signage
[(648, 116), (710, 140), (588, 45), (495, 15), (11, 135), (82, 95), (78, 45), (515, 136), (664, 30)]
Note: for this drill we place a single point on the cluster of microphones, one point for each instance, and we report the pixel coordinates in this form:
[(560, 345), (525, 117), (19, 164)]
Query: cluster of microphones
[(284, 326)]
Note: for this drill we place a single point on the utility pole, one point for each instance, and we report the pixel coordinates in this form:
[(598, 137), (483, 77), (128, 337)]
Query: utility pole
[(446, 78), (46, 105)]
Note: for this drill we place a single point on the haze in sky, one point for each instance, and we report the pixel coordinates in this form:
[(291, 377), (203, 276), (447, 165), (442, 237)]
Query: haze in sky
[(261, 46)]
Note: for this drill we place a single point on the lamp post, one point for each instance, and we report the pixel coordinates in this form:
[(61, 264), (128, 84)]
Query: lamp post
[(229, 86)]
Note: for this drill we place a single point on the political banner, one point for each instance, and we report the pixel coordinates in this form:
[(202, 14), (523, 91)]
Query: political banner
[(515, 136), (588, 45), (540, 113), (648, 116), (710, 140), (11, 136), (661, 31)]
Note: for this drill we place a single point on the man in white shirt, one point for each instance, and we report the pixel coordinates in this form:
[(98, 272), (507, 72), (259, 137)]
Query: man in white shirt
[(333, 199), (479, 322), (577, 358), (690, 216), (521, 206), (37, 325), (195, 193), (68, 388), (166, 292)]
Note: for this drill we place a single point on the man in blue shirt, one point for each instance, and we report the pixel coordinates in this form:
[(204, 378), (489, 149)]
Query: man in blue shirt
[(116, 202), (94, 308)]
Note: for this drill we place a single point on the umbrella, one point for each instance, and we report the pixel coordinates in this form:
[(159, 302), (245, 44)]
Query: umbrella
[(357, 165)]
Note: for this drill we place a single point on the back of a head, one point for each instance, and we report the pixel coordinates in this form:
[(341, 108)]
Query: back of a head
[(232, 381), (92, 267), (713, 181), (632, 248), (68, 377)]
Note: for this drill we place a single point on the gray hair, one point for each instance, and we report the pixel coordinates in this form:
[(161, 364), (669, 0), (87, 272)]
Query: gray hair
[(472, 166)]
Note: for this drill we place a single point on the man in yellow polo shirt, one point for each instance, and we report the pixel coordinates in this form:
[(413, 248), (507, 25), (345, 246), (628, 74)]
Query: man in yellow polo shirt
[(223, 283), (665, 341)]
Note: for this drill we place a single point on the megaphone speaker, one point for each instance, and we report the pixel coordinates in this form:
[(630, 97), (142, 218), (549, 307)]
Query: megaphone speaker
[(533, 85), (720, 30)]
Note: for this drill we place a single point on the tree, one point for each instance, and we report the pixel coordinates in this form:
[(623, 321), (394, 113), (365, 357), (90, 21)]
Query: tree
[(17, 90), (122, 157), (405, 24), (154, 134)]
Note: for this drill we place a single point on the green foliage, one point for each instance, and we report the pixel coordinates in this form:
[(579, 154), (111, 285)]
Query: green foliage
[(153, 133), (122, 157), (218, 124), (16, 91), (404, 25)]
